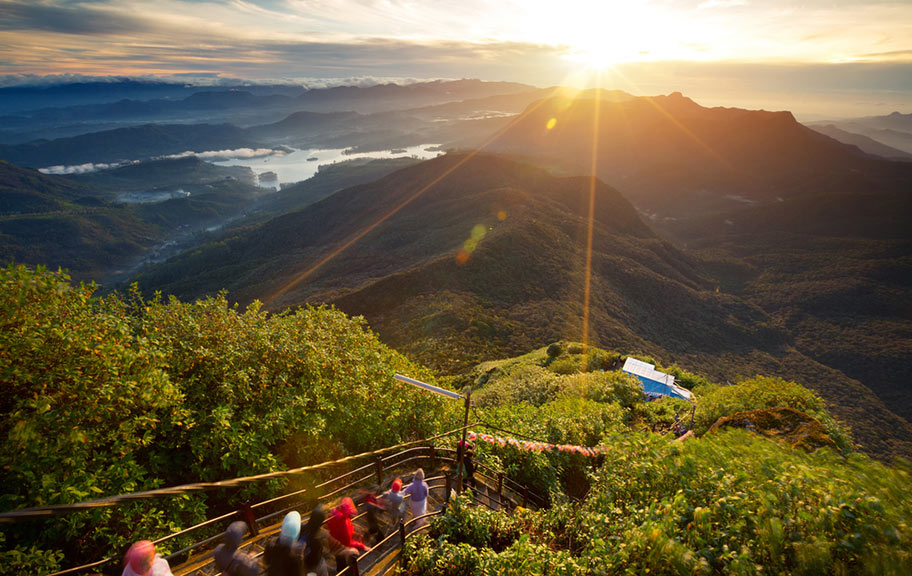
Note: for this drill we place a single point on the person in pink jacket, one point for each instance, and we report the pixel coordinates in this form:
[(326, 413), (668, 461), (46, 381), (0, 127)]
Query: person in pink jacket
[(141, 560)]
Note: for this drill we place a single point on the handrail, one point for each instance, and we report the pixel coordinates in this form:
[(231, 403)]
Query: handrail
[(330, 495), (109, 501), (389, 462), (223, 517)]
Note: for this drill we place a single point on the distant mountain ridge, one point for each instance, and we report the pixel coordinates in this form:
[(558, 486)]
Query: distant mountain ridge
[(864, 143), (124, 144), (672, 156), (893, 130)]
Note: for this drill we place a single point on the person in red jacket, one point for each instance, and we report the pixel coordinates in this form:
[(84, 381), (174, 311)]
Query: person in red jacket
[(341, 527)]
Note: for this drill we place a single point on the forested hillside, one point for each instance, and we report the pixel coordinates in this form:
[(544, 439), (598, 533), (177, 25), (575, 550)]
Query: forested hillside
[(103, 396), (466, 258), (119, 394)]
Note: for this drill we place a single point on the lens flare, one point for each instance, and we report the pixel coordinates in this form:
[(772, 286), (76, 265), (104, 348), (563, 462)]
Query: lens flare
[(551, 124), (475, 237)]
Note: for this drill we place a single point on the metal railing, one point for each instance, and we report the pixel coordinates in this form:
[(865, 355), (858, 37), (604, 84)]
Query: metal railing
[(372, 473), (300, 498)]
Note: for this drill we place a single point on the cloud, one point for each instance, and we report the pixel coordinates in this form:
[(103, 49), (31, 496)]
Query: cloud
[(226, 154), (721, 4), (207, 155), (81, 168), (84, 19)]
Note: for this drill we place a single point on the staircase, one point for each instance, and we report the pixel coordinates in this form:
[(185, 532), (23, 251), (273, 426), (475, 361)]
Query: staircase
[(383, 557)]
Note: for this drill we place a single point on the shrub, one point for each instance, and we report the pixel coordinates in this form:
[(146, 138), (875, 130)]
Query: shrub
[(531, 384), (566, 365), (715, 402), (555, 350), (605, 387), (658, 415)]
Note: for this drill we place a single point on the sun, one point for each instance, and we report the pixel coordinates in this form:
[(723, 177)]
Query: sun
[(601, 34)]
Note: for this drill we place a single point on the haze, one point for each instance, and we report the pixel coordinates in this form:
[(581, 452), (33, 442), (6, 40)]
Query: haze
[(818, 58)]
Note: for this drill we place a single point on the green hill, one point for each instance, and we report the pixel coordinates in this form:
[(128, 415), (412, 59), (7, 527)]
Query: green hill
[(728, 502), (93, 226)]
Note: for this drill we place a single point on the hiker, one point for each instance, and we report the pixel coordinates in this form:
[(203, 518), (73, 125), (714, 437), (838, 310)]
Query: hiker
[(141, 560), (418, 493), (229, 559), (468, 464), (342, 530), (395, 503), (313, 541), (368, 500), (282, 554)]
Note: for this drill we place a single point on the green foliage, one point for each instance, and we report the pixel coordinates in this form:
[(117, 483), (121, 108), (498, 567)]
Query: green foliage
[(114, 395), (475, 540), (618, 387), (731, 503), (476, 525), (531, 384), (27, 560), (715, 402), (540, 377), (658, 415)]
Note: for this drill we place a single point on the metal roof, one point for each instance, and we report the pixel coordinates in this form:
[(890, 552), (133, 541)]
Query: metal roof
[(648, 371)]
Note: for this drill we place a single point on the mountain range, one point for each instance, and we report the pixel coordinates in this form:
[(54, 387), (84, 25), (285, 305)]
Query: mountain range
[(730, 241), (894, 130)]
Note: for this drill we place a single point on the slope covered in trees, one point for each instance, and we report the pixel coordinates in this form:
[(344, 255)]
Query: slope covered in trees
[(114, 395), (727, 502)]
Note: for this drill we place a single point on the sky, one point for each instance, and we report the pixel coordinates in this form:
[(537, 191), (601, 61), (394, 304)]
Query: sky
[(815, 56)]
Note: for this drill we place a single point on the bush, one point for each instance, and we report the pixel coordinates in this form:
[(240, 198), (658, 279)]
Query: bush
[(471, 540), (658, 415), (605, 387), (566, 365), (555, 350), (715, 402), (733, 502), (531, 384)]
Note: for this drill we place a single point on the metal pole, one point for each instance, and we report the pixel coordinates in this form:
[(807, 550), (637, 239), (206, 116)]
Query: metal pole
[(462, 451), (500, 477), (246, 514)]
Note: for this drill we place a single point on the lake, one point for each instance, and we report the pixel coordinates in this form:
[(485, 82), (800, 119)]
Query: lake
[(302, 164)]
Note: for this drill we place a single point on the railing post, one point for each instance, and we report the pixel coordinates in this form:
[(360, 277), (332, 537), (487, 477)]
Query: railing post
[(379, 472), (525, 497), (246, 514), (448, 487), (433, 458), (500, 488), (401, 533), (353, 566)]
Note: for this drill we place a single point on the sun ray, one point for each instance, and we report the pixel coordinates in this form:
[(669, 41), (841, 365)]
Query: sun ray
[(593, 180), (361, 234)]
